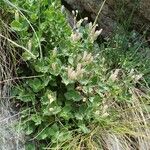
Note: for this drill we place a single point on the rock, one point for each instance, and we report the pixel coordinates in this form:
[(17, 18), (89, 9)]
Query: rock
[(111, 11)]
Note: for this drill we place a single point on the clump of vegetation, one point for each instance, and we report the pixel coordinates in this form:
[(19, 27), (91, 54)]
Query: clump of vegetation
[(74, 92)]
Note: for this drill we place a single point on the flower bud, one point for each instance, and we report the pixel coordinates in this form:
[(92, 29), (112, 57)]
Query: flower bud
[(16, 15)]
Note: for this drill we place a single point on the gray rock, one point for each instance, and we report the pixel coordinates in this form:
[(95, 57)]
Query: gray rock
[(108, 16)]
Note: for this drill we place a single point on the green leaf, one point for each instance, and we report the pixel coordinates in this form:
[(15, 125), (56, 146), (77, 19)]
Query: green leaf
[(66, 113), (29, 128), (56, 110), (16, 90), (30, 146), (26, 96), (43, 135), (55, 67), (79, 116), (18, 26), (64, 136), (45, 80), (34, 17), (53, 110), (36, 118), (42, 65), (53, 130), (27, 56), (73, 95), (83, 128), (36, 84), (48, 97)]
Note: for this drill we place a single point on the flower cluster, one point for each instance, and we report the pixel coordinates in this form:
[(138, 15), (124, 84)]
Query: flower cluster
[(77, 35), (84, 60), (93, 33)]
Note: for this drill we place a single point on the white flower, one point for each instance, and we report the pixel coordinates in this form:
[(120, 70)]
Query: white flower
[(97, 112), (29, 45), (84, 99), (84, 55), (62, 8), (16, 15), (51, 99), (114, 75), (86, 18), (72, 75), (76, 36), (88, 57), (51, 109), (79, 23), (96, 34), (138, 77), (79, 66), (53, 66), (105, 114)]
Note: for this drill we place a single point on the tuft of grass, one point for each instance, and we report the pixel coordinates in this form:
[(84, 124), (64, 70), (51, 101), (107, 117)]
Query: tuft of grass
[(9, 137)]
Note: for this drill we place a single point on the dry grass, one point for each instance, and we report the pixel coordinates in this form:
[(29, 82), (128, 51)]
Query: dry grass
[(130, 132), (9, 138)]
